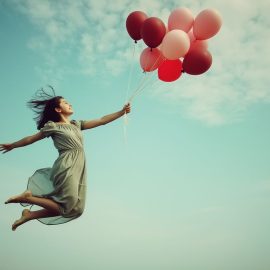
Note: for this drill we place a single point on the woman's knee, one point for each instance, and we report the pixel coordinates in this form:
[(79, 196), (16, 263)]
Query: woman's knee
[(76, 205), (80, 208), (70, 202)]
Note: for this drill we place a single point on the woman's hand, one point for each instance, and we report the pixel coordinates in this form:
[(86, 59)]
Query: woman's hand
[(126, 108), (6, 147)]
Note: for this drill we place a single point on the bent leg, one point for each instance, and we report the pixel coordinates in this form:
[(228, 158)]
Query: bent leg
[(27, 197), (28, 215), (48, 204)]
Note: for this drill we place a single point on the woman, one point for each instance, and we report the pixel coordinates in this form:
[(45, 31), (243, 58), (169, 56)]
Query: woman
[(59, 190)]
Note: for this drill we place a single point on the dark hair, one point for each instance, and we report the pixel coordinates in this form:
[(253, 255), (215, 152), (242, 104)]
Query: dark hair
[(44, 104)]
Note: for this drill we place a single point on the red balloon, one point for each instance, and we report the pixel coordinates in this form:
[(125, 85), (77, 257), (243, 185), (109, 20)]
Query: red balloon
[(134, 23), (170, 70), (153, 31), (197, 62)]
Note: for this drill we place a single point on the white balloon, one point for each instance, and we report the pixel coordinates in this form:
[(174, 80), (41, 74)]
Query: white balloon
[(175, 44)]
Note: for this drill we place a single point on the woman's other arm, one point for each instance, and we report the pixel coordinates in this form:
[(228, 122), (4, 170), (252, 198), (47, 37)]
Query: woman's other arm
[(23, 142)]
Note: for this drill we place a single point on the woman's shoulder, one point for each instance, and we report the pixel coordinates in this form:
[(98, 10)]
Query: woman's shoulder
[(77, 123), (48, 128), (50, 124)]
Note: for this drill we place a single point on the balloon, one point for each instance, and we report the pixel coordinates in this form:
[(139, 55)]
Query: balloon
[(197, 62), (191, 36), (151, 59), (175, 44), (170, 70), (199, 45), (134, 23), (153, 30), (207, 23), (180, 18)]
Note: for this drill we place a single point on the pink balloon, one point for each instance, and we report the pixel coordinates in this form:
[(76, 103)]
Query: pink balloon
[(199, 45), (151, 59), (191, 36), (180, 18), (175, 44), (207, 24)]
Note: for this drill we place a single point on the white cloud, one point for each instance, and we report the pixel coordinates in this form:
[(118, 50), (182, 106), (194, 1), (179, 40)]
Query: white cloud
[(39, 10), (237, 79)]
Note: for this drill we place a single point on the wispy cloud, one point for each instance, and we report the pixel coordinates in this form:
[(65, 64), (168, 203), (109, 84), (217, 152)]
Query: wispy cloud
[(96, 30)]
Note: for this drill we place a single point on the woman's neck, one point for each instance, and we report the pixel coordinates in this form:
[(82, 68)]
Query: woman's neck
[(64, 119)]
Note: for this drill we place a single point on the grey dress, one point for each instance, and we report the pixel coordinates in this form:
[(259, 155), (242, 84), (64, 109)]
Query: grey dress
[(65, 182)]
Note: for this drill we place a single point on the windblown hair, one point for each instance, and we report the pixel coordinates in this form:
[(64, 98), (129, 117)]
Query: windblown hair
[(44, 104)]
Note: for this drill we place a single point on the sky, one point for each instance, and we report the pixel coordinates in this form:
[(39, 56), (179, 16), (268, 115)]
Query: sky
[(185, 184)]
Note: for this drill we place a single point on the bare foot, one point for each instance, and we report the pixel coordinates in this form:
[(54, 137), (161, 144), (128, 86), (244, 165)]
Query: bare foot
[(20, 198), (24, 218)]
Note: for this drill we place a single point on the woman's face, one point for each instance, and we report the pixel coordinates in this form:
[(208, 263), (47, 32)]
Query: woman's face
[(65, 107)]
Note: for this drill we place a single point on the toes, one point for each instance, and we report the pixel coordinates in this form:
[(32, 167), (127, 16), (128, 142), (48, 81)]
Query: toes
[(19, 198), (20, 221), (9, 200), (15, 225)]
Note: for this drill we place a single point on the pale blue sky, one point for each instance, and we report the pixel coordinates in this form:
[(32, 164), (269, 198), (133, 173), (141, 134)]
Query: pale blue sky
[(190, 189)]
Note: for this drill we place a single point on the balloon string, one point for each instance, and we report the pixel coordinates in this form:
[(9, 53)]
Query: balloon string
[(149, 82), (140, 87), (130, 71), (142, 81), (143, 85), (127, 92), (140, 84), (143, 77)]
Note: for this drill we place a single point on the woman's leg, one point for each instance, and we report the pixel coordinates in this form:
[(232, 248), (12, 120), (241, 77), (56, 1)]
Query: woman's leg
[(51, 208), (28, 215), (26, 197), (48, 204)]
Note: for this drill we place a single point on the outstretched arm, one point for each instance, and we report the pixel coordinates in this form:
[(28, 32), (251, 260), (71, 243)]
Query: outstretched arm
[(23, 142), (107, 118)]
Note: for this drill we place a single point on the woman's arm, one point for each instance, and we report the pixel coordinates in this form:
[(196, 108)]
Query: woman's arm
[(106, 119), (23, 142)]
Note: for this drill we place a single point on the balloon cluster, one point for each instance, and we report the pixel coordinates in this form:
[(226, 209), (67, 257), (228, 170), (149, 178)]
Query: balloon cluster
[(179, 47)]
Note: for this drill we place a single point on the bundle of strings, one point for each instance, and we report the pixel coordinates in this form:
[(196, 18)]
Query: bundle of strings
[(144, 83)]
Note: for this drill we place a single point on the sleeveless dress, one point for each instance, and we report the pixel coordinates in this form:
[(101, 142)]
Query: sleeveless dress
[(65, 182)]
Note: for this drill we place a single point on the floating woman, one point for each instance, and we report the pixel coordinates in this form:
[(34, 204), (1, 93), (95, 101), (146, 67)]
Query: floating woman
[(60, 191)]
